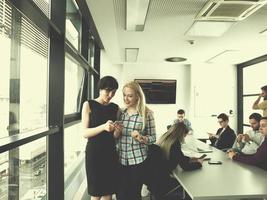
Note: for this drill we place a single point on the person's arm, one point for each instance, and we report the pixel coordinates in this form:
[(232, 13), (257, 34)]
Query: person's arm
[(252, 142), (189, 126), (91, 132), (255, 104), (254, 159), (150, 128), (178, 157), (149, 136)]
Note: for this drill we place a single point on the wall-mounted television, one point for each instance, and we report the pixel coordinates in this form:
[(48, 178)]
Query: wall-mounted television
[(158, 91)]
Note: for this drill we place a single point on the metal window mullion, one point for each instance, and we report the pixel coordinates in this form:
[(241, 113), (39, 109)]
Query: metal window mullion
[(56, 103), (29, 9), (14, 107)]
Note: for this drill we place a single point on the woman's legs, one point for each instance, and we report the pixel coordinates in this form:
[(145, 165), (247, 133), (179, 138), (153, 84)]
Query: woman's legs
[(107, 197), (131, 183), (95, 198)]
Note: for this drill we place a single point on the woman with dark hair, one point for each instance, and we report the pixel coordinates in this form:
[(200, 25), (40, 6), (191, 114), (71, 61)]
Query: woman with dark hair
[(170, 143), (98, 118)]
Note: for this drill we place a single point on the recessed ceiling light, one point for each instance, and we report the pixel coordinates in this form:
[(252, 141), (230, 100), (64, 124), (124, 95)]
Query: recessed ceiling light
[(175, 59)]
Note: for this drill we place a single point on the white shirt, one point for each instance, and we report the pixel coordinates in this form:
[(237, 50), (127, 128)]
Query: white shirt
[(256, 138)]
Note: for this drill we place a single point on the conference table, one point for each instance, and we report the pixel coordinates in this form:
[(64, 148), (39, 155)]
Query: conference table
[(229, 180)]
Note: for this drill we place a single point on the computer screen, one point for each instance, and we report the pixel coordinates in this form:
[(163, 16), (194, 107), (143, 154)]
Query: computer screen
[(158, 91)]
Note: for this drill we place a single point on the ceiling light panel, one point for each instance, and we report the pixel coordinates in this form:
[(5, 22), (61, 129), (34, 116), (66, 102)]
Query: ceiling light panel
[(131, 54), (209, 28), (136, 11)]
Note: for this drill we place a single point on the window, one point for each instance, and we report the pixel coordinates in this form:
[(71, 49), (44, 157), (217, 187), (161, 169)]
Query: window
[(23, 172), (254, 77), (44, 5), (73, 24), (74, 148), (23, 106), (74, 76)]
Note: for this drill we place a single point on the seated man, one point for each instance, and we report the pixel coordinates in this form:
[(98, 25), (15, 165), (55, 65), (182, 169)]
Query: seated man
[(225, 136), (259, 158), (249, 142), (181, 118)]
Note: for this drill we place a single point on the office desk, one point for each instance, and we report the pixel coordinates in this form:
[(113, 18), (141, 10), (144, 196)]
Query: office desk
[(231, 180)]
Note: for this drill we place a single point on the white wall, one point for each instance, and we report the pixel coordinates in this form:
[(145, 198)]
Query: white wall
[(202, 90), (214, 91), (164, 113), (109, 69)]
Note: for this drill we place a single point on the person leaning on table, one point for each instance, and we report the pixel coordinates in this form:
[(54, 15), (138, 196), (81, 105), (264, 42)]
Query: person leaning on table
[(259, 158)]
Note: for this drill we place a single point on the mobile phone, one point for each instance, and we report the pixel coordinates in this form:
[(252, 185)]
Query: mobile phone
[(203, 156), (215, 162), (207, 158)]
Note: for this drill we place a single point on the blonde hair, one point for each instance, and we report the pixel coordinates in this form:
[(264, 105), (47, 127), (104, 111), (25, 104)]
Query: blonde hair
[(174, 133), (141, 103)]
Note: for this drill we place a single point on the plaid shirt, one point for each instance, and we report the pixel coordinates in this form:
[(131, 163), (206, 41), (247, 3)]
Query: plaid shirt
[(131, 152)]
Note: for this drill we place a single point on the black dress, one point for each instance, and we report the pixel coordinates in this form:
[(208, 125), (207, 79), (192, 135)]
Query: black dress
[(101, 159)]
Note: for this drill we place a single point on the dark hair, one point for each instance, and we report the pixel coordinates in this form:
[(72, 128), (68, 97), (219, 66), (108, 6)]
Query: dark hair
[(255, 116), (264, 88), (265, 118), (108, 83), (180, 111), (223, 116)]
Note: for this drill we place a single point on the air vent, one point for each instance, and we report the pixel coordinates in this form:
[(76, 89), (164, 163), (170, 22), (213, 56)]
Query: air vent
[(229, 10)]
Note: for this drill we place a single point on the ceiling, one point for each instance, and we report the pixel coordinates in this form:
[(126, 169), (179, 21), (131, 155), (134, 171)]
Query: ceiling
[(164, 33)]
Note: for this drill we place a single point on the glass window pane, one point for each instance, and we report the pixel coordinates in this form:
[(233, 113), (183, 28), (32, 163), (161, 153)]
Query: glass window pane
[(91, 51), (254, 77), (247, 108), (73, 24), (24, 61), (74, 75), (23, 172), (33, 90), (44, 5), (74, 167)]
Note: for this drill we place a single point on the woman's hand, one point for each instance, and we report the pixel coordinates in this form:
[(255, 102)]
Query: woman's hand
[(109, 126), (118, 128), (138, 137)]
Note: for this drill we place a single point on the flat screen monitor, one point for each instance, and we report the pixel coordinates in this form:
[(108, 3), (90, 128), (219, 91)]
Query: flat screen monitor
[(158, 91)]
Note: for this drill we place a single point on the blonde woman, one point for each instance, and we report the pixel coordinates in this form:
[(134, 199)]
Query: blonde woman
[(138, 132), (170, 143)]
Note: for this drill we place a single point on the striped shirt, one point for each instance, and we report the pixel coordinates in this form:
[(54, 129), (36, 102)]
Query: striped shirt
[(130, 151)]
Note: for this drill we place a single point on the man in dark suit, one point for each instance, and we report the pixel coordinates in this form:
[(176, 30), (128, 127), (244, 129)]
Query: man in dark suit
[(225, 136)]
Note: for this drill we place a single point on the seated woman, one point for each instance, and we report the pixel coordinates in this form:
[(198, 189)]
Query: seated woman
[(163, 158), (170, 143)]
